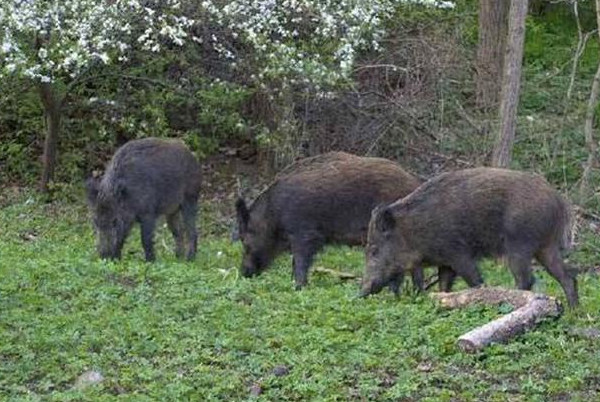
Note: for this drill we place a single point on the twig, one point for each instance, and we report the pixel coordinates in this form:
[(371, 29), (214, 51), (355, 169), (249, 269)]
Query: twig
[(588, 129), (416, 122), (392, 66), (461, 111), (87, 78), (440, 155), (585, 213), (338, 274), (581, 44), (380, 136), (431, 281)]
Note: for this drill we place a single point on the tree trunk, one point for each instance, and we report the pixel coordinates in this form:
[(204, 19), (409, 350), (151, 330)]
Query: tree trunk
[(511, 84), (490, 51), (588, 129), (52, 113), (530, 309)]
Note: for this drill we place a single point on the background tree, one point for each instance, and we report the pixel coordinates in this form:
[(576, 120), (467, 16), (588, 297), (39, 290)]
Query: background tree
[(493, 26), (56, 45), (590, 142), (511, 84), (305, 45)]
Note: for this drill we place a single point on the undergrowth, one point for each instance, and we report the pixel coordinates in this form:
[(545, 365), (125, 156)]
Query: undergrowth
[(198, 331)]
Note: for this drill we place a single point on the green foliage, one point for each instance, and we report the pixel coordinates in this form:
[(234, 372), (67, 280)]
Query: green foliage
[(21, 123), (176, 331), (219, 117), (192, 94), (550, 137)]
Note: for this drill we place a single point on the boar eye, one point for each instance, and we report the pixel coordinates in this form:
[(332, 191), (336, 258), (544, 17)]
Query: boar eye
[(373, 251)]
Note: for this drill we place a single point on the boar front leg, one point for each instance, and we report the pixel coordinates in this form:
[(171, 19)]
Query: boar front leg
[(397, 281), (175, 223), (147, 228), (446, 276), (189, 211), (304, 249)]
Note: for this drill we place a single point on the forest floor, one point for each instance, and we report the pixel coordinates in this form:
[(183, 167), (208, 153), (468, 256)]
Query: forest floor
[(196, 330)]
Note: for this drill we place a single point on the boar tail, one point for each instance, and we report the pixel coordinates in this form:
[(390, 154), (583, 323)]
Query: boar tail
[(567, 229)]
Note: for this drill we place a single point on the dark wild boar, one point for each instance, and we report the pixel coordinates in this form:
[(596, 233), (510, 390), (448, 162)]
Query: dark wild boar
[(146, 178), (457, 218), (316, 201)]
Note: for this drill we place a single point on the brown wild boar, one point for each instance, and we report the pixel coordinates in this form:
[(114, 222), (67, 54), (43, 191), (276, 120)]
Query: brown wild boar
[(316, 201), (457, 218), (146, 178)]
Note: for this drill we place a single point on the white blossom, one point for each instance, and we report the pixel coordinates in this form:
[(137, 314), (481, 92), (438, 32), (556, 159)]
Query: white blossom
[(6, 47), (61, 38), (280, 32), (298, 42)]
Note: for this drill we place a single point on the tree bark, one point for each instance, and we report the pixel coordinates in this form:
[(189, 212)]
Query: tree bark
[(530, 309), (52, 113), (490, 51), (588, 129), (511, 84)]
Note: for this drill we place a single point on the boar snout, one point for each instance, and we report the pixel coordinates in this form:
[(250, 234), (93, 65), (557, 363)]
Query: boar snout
[(251, 266), (370, 287), (248, 272)]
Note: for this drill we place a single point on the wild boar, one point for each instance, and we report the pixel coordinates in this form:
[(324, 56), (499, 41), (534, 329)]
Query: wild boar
[(146, 178), (457, 218), (316, 201)]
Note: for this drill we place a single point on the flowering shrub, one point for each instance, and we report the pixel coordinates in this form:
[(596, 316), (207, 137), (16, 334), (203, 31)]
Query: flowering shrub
[(46, 40), (250, 44), (305, 42), (308, 42)]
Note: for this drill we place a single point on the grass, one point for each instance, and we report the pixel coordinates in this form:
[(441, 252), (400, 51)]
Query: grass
[(197, 331)]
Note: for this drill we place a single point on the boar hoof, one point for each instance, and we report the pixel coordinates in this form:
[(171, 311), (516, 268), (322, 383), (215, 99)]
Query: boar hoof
[(363, 294)]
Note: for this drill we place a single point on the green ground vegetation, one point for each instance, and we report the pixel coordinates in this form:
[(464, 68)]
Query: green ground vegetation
[(198, 331)]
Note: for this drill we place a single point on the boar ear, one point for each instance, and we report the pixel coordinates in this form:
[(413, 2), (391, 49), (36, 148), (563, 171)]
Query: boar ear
[(378, 208), (120, 191), (243, 215), (92, 186), (235, 233), (384, 220)]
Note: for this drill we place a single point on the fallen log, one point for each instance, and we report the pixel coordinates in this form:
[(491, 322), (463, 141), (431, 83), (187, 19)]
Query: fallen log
[(429, 282), (530, 309), (338, 274)]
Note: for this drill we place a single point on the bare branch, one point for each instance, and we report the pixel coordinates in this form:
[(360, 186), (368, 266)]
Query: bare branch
[(581, 44), (588, 128)]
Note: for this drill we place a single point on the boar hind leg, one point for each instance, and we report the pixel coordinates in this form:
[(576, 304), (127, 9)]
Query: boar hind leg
[(303, 252), (551, 259), (147, 228), (520, 266), (189, 211), (466, 268), (175, 223), (447, 277), (418, 278), (397, 281)]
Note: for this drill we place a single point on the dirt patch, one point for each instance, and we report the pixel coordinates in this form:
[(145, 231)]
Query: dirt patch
[(124, 280), (226, 176)]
